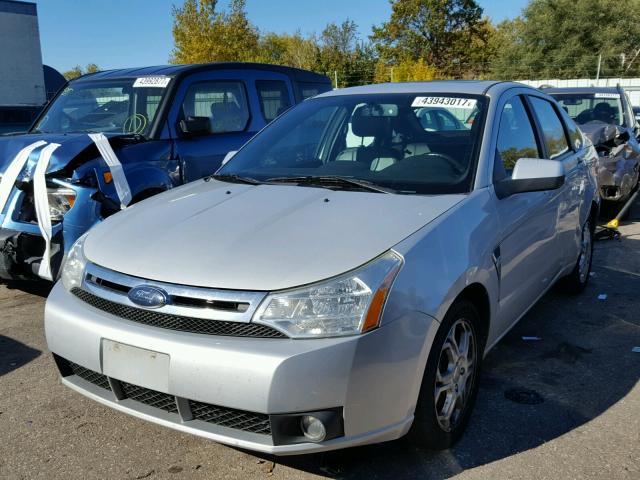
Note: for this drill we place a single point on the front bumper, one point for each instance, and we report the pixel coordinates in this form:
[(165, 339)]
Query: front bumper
[(616, 177), (373, 379)]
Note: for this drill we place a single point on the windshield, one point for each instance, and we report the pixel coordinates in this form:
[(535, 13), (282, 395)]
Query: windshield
[(425, 144), (127, 106), (592, 107)]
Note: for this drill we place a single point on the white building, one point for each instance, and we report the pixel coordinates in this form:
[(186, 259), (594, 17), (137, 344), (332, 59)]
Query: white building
[(630, 85), (21, 74)]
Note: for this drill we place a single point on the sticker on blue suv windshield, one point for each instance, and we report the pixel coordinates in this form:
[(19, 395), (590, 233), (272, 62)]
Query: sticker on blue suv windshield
[(451, 102), (156, 82)]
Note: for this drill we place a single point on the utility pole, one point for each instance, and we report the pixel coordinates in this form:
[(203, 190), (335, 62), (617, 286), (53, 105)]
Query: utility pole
[(335, 76), (598, 72)]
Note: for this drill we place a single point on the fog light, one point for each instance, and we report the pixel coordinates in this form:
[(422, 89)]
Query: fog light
[(313, 428)]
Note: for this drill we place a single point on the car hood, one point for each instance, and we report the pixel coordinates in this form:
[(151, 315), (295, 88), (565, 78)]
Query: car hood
[(267, 237)]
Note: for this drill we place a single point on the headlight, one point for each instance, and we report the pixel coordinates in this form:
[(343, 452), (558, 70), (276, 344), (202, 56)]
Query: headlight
[(61, 200), (74, 265), (346, 305)]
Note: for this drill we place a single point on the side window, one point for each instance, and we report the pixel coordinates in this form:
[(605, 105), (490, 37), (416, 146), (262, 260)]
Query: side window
[(224, 103), (274, 98), (552, 130), (308, 90), (516, 138), (575, 136)]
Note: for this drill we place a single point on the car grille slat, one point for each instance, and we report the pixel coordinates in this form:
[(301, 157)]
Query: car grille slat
[(90, 376), (179, 323), (160, 400), (228, 417), (258, 423)]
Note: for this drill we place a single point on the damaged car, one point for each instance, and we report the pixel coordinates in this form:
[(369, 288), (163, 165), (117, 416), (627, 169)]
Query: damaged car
[(606, 117), (340, 279), (111, 139)]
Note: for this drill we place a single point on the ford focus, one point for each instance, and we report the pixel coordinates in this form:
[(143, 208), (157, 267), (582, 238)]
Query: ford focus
[(339, 280)]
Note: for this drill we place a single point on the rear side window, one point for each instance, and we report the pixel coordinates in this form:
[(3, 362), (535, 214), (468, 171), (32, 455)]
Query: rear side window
[(516, 138), (308, 90), (274, 98), (552, 130), (575, 136), (224, 103)]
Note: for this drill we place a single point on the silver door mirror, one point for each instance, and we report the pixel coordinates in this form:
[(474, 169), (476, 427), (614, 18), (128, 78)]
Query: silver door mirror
[(229, 156), (532, 175)]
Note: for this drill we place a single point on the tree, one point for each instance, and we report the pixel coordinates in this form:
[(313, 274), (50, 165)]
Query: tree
[(449, 35), (291, 50), (77, 71), (202, 34), (563, 39)]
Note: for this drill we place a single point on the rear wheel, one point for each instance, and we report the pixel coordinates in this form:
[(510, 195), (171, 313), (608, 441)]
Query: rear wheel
[(578, 279), (450, 382)]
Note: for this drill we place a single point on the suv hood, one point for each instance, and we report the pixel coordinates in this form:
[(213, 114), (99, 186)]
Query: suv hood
[(72, 146), (267, 237)]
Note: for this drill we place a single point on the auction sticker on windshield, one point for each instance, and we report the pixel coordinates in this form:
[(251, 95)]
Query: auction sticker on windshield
[(455, 102), (606, 95), (158, 82)]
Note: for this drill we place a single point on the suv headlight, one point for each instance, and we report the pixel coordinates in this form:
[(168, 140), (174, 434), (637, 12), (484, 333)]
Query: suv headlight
[(74, 266), (345, 305), (61, 200)]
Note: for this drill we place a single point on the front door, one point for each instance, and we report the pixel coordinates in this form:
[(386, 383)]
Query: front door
[(526, 255)]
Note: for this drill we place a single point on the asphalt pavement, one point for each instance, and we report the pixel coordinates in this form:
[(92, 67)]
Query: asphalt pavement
[(562, 402)]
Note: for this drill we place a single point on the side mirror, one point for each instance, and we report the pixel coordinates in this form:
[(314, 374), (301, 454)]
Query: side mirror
[(532, 175), (195, 126), (228, 156)]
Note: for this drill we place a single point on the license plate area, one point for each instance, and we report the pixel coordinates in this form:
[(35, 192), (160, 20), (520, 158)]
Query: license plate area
[(138, 366)]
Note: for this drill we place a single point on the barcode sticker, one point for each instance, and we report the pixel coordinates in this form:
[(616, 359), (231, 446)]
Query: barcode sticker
[(157, 82), (451, 102), (606, 95)]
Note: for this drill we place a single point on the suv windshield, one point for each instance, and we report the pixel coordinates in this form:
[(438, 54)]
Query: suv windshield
[(592, 107), (387, 141), (126, 106)]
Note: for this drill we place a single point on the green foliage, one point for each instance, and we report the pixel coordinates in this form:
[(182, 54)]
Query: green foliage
[(563, 38), (450, 35), (77, 71), (202, 34)]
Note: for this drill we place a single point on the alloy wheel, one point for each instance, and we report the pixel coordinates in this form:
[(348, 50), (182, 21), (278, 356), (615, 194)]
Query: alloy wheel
[(586, 251), (455, 374)]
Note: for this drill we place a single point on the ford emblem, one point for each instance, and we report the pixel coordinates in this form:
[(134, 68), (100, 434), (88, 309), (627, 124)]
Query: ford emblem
[(148, 297)]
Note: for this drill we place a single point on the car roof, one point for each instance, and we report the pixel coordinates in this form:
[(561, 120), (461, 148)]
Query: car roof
[(175, 70), (551, 91), (471, 87)]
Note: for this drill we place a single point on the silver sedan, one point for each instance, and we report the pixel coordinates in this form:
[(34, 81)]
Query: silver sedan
[(339, 280)]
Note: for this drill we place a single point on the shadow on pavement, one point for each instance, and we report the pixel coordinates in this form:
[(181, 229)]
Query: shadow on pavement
[(582, 365), (40, 288), (14, 355)]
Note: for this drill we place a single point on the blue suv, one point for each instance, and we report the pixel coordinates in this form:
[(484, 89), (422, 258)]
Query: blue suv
[(111, 139)]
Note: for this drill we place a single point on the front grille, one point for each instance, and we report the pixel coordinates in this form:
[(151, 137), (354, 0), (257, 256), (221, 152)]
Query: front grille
[(228, 417), (90, 376), (179, 323), (222, 416), (160, 400)]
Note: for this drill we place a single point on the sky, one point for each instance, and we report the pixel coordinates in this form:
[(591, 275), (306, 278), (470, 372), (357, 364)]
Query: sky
[(130, 33)]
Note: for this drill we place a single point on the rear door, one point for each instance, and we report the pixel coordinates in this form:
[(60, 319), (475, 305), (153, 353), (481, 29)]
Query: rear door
[(526, 256), (567, 197)]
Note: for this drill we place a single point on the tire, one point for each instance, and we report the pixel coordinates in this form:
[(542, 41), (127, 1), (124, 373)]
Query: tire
[(429, 430), (578, 279)]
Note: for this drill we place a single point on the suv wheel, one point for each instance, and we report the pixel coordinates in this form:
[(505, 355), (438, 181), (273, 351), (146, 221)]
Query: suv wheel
[(450, 383)]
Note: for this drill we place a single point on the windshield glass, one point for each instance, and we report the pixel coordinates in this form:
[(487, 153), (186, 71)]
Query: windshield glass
[(592, 107), (127, 106), (425, 144)]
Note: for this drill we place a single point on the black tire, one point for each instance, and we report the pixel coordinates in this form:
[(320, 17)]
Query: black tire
[(426, 430), (578, 279)]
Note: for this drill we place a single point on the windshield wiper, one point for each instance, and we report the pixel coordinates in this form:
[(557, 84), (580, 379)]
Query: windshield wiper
[(329, 181), (233, 178)]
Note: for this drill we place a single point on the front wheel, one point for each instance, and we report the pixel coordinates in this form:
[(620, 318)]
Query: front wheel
[(450, 381), (578, 279)]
